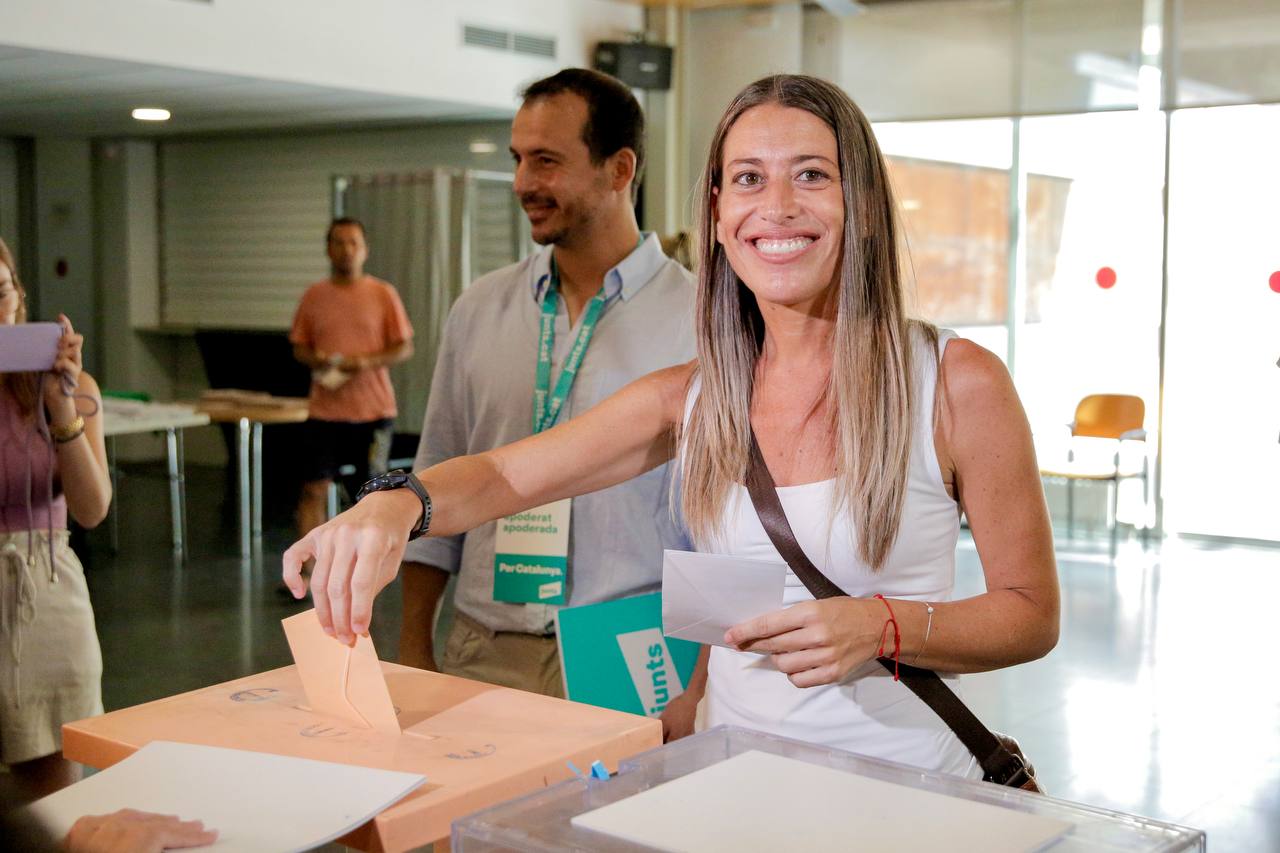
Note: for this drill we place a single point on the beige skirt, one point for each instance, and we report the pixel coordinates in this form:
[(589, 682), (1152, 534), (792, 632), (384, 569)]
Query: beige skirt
[(50, 661)]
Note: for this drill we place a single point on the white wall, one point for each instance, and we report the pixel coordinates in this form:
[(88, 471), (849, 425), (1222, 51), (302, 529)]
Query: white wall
[(244, 218), (398, 47), (127, 236), (64, 234), (725, 50), (665, 184), (9, 197), (718, 52)]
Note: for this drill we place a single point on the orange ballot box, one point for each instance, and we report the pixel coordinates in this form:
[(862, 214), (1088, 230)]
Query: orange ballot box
[(477, 744)]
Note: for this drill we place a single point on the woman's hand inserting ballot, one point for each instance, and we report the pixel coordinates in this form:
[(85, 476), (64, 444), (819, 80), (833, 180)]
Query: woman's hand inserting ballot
[(356, 555)]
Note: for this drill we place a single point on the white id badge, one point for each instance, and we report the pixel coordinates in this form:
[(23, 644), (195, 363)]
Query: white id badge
[(531, 555)]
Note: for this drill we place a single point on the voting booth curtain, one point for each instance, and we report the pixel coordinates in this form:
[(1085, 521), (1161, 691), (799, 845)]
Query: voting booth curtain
[(430, 233)]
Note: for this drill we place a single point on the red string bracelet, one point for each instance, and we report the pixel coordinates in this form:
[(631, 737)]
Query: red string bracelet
[(897, 636)]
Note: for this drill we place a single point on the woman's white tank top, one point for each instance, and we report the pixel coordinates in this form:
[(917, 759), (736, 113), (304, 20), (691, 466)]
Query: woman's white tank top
[(868, 712)]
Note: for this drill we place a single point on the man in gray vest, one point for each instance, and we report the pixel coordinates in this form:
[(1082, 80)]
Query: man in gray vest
[(536, 343)]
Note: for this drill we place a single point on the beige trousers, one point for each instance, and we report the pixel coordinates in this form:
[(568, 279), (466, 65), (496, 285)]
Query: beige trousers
[(511, 659)]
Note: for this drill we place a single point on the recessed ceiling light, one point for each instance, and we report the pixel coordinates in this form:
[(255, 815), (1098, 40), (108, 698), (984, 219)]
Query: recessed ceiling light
[(150, 114), (483, 146)]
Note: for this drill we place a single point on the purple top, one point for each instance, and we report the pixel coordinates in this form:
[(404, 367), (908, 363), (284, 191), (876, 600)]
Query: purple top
[(24, 453)]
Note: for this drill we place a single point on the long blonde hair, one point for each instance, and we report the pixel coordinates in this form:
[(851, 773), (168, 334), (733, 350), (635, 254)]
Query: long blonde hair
[(871, 399), (25, 387)]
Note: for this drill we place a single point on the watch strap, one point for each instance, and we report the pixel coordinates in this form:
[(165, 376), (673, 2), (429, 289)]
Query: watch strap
[(400, 479), (424, 524)]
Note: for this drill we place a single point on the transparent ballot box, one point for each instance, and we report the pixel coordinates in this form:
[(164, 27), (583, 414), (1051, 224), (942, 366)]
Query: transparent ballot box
[(734, 789)]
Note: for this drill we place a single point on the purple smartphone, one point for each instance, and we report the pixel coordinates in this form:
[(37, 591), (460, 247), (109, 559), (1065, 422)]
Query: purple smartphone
[(28, 347)]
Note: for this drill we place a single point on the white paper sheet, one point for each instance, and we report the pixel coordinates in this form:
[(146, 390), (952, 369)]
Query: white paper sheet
[(704, 595), (759, 801), (257, 802)]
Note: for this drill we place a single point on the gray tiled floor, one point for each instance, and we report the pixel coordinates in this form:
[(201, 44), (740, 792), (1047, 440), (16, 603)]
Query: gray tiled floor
[(1161, 698)]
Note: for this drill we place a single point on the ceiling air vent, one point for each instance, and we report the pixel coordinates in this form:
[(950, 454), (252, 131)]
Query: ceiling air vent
[(507, 41), (534, 45)]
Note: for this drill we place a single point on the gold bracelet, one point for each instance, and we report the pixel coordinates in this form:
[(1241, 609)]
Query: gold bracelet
[(928, 629), (70, 432)]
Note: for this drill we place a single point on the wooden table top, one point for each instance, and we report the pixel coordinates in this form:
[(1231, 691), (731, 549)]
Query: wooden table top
[(229, 406)]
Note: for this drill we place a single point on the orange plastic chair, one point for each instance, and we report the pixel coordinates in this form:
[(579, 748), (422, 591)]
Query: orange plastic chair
[(1110, 416)]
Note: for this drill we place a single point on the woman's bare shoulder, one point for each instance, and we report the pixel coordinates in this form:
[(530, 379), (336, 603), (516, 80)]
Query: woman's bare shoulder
[(978, 404), (972, 374)]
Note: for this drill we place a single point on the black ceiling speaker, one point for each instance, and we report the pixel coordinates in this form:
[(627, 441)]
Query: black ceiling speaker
[(638, 64)]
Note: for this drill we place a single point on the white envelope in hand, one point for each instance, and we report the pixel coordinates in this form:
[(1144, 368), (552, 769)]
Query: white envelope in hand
[(704, 595)]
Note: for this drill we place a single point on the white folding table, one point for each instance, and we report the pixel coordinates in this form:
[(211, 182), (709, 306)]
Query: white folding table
[(127, 417)]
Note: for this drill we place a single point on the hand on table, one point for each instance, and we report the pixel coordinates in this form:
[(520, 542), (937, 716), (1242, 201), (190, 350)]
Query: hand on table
[(129, 831), (356, 555), (815, 642)]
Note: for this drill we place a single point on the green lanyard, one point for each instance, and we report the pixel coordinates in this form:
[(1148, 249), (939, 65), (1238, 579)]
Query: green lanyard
[(545, 411)]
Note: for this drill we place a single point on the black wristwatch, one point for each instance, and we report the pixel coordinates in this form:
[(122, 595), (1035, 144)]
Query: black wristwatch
[(399, 479)]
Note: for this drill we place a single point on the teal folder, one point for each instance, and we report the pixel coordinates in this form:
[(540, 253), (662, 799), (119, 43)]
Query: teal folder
[(614, 655)]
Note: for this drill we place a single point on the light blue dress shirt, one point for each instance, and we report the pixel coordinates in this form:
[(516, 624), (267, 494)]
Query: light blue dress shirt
[(482, 398)]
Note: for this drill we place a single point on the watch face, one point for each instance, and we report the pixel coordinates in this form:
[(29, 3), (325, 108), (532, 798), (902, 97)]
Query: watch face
[(380, 483)]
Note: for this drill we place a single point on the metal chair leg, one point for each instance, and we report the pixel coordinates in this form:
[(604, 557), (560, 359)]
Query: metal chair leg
[(113, 467), (242, 454), (175, 489), (1146, 502), (182, 496), (1071, 508), (1115, 522)]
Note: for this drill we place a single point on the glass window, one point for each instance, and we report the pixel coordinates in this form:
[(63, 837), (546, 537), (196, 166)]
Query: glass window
[(952, 183), (1093, 262), (1090, 319), (1080, 55), (930, 59), (1228, 52), (1222, 409)]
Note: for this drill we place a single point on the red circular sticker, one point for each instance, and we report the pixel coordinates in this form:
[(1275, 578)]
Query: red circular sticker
[(1275, 281), (1106, 278)]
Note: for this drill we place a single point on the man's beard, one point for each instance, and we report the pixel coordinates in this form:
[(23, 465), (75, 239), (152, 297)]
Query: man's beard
[(569, 216), (552, 238)]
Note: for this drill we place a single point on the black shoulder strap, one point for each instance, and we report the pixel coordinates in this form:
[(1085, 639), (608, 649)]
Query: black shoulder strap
[(998, 764)]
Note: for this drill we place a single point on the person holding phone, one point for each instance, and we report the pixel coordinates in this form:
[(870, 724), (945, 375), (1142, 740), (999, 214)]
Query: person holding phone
[(53, 462)]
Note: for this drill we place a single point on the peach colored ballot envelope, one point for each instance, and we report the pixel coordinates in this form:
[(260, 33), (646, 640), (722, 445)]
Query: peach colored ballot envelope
[(340, 681)]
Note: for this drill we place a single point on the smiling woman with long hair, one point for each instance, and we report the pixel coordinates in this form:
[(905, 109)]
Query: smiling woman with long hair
[(878, 431)]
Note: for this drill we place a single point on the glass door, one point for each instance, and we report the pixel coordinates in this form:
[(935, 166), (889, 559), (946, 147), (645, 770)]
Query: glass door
[(1222, 382)]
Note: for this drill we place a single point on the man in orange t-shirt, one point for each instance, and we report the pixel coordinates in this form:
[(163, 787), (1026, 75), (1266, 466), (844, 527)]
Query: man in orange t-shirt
[(348, 329)]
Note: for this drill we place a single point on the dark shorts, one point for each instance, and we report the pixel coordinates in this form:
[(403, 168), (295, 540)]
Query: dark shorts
[(329, 445)]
